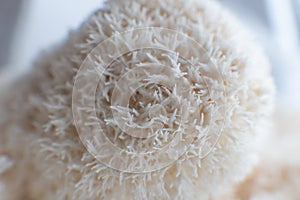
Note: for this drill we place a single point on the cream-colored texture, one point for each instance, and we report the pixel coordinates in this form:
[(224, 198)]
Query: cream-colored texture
[(48, 160), (276, 175)]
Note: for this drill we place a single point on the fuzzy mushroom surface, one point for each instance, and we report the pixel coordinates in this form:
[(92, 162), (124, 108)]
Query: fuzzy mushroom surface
[(146, 100)]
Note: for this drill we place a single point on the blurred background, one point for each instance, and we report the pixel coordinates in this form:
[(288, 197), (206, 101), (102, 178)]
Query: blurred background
[(27, 27)]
